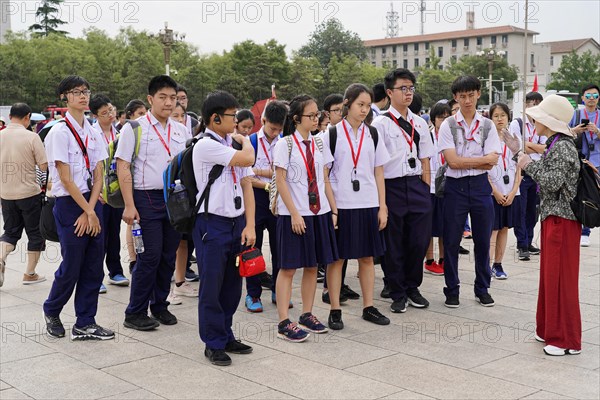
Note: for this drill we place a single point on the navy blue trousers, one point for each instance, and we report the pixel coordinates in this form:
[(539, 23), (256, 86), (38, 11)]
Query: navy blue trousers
[(463, 196), (151, 277), (407, 234), (111, 225), (264, 220), (218, 242), (529, 200), (81, 268)]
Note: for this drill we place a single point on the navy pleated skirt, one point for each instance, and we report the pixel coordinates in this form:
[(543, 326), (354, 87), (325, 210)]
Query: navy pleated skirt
[(316, 246), (437, 221), (507, 217), (358, 234)]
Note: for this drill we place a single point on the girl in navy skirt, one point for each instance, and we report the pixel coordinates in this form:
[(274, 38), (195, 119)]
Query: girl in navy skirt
[(359, 191), (305, 230), (505, 179), (439, 112)]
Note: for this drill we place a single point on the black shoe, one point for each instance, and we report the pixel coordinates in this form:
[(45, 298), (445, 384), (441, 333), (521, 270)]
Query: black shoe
[(237, 347), (385, 292), (131, 265), (325, 298), (335, 320), (373, 315), (320, 273), (534, 251), (399, 306), (91, 332), (485, 299), (193, 259), (349, 293), (217, 357), (191, 276), (462, 250), (452, 301), (415, 299), (140, 322), (54, 326), (524, 254), (165, 317), (266, 280)]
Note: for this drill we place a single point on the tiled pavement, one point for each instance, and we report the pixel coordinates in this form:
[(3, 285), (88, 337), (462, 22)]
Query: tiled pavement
[(469, 352)]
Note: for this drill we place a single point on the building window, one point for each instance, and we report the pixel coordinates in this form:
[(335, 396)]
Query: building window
[(405, 47), (373, 52), (405, 63), (466, 43), (440, 51), (394, 49), (479, 41), (454, 43), (552, 61), (504, 39), (416, 47), (395, 63), (416, 62), (426, 45), (493, 39)]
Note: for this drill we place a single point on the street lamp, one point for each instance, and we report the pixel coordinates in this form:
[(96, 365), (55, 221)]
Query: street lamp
[(168, 38), (490, 54)]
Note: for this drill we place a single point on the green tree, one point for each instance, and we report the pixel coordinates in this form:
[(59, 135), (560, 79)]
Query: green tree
[(434, 85), (329, 39), (576, 71), (305, 76), (49, 22)]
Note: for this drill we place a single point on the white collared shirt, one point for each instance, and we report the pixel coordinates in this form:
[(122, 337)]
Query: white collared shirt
[(264, 160), (497, 173), (530, 135), (153, 158), (342, 174), (106, 140), (62, 146), (208, 153), (297, 176), (469, 148), (398, 147)]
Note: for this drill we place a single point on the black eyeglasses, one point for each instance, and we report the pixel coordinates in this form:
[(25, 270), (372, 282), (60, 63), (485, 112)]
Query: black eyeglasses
[(78, 93), (313, 116), (228, 115), (405, 89)]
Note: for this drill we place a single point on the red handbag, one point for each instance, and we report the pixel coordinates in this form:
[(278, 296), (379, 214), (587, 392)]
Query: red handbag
[(251, 263)]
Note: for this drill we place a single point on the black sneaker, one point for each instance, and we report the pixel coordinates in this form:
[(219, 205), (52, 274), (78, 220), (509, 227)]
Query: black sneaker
[(54, 326), (140, 322), (399, 306), (373, 315), (335, 320), (349, 293), (266, 280), (193, 259), (217, 357), (237, 347), (320, 273), (325, 298), (415, 299), (485, 299), (385, 292), (534, 251), (165, 317), (452, 301), (462, 250), (191, 276), (91, 332), (524, 255)]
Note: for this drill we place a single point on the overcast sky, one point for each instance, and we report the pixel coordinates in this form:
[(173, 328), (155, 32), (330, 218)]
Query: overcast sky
[(214, 26)]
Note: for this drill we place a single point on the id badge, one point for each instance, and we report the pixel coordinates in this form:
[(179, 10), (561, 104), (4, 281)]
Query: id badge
[(312, 198), (356, 185), (412, 162), (591, 146), (506, 179), (237, 201), (89, 183)]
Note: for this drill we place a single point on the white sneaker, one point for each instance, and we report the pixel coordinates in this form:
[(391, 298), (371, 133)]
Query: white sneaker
[(585, 241), (173, 299), (539, 338), (557, 351), (186, 290)]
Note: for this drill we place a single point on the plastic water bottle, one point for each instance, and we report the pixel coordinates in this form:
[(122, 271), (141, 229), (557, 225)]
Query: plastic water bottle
[(180, 196), (138, 242)]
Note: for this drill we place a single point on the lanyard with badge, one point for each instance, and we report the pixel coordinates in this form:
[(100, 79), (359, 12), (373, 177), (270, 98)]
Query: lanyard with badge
[(262, 142), (437, 141), (591, 143), (237, 200), (112, 135), (83, 151), (530, 134), (412, 162), (167, 147), (312, 196), (355, 182), (505, 178)]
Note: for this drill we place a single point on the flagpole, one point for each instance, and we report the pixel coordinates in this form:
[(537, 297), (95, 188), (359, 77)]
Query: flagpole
[(525, 69)]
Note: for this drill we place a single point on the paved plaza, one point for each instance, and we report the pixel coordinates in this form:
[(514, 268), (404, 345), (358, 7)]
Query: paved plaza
[(470, 352)]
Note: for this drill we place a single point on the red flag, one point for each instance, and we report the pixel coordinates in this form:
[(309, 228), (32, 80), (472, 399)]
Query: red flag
[(259, 107), (535, 84)]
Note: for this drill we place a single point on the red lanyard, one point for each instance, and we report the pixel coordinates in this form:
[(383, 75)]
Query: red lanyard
[(308, 168), (262, 143), (472, 134), (357, 156), (112, 135), (160, 137), (437, 139), (80, 143), (504, 158), (595, 122), (529, 130), (412, 135)]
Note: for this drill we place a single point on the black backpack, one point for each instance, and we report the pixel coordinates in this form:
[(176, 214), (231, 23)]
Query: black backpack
[(586, 203), (183, 216)]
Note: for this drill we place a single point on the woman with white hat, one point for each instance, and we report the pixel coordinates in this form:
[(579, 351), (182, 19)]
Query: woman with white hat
[(558, 317)]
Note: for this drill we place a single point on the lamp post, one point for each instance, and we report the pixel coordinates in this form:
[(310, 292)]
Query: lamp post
[(490, 55), (168, 38)]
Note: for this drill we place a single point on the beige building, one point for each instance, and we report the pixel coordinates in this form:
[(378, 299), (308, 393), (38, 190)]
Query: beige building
[(564, 47)]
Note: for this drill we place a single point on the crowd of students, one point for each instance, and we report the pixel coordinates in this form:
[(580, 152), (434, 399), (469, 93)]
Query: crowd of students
[(357, 179)]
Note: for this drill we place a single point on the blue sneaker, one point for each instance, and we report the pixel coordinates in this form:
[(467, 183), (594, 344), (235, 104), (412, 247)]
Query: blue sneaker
[(102, 289), (498, 272), (287, 330), (310, 323), (253, 304), (118, 280), (274, 300)]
